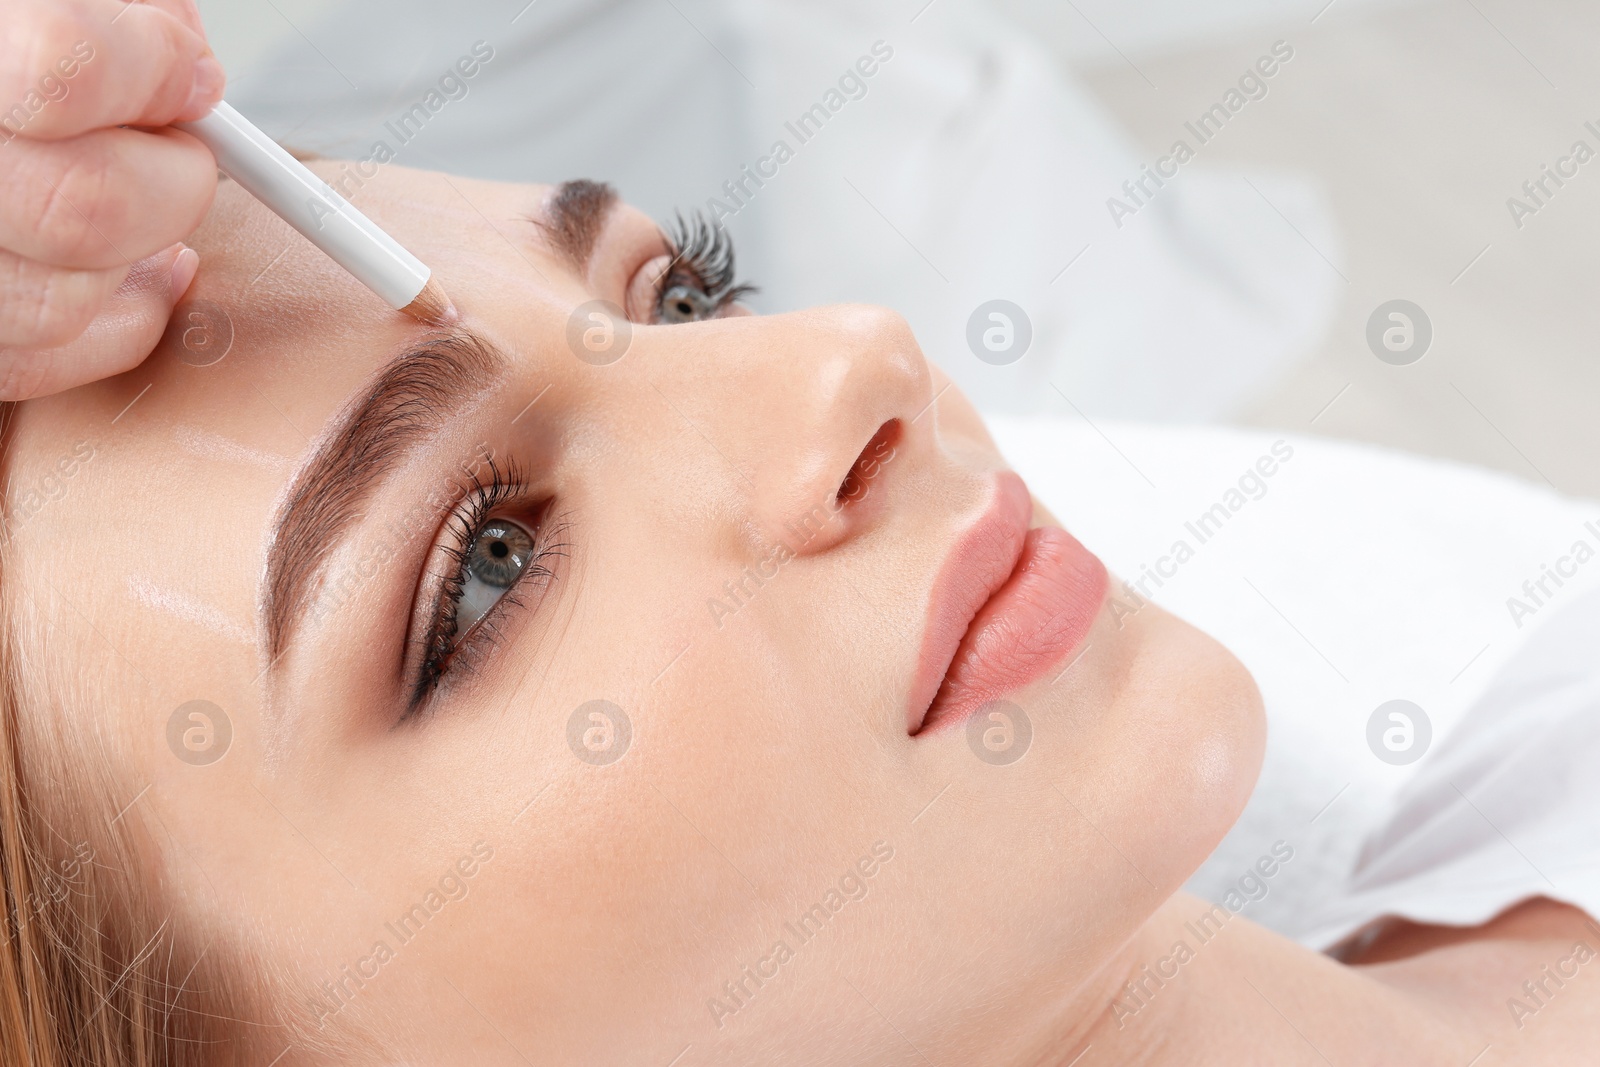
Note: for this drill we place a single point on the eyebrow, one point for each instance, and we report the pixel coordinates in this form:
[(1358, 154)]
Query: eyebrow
[(409, 401), (574, 216)]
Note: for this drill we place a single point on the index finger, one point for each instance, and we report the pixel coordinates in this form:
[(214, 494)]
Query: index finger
[(77, 65)]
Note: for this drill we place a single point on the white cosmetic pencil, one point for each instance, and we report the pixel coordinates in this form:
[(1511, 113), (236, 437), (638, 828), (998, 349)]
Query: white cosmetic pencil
[(312, 206)]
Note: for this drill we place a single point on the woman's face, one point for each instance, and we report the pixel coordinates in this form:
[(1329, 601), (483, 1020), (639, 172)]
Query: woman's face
[(673, 786)]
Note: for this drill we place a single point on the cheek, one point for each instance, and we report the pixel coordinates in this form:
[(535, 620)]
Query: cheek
[(1216, 765)]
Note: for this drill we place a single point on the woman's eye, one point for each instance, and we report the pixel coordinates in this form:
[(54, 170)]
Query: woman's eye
[(484, 567), (497, 557), (686, 303), (691, 280)]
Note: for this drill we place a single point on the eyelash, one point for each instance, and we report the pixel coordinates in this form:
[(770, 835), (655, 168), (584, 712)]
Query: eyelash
[(445, 650), (702, 255)]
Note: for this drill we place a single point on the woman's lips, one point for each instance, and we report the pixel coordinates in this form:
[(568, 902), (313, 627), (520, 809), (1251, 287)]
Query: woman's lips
[(1008, 604)]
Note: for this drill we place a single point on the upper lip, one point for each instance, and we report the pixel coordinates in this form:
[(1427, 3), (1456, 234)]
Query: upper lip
[(981, 560)]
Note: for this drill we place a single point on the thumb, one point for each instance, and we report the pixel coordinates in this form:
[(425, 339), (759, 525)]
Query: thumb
[(127, 330)]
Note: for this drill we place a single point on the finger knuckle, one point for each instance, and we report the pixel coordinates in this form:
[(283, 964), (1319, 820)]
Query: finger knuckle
[(35, 41), (73, 205), (45, 307), (21, 374), (66, 308), (171, 50)]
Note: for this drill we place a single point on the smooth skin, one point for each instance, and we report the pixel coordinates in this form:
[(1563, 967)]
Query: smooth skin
[(97, 193), (769, 761)]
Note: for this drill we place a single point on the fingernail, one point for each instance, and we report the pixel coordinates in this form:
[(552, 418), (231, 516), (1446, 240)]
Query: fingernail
[(184, 267), (209, 81)]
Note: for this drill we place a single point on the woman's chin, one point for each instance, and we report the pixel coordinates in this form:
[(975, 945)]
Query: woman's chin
[(1211, 714), (1170, 751)]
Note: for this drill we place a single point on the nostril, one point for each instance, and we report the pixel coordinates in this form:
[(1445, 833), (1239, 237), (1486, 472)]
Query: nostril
[(870, 463)]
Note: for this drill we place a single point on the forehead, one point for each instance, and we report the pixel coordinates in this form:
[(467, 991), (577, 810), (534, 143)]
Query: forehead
[(269, 314), (479, 235)]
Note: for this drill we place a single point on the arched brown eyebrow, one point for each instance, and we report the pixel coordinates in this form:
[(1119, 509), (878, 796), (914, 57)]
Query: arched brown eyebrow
[(409, 401), (574, 216)]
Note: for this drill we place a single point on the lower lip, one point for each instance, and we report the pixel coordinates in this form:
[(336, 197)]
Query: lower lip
[(1042, 613)]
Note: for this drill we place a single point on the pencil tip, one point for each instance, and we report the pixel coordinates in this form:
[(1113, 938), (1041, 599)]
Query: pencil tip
[(433, 306)]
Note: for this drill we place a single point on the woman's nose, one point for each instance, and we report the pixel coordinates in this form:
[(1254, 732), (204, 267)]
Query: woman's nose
[(810, 408)]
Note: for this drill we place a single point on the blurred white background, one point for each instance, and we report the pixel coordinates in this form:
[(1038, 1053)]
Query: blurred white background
[(978, 165)]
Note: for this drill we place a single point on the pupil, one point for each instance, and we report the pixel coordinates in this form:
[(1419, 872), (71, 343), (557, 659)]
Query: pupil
[(685, 303), (500, 552)]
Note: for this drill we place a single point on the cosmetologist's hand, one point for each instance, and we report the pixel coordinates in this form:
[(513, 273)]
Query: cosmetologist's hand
[(96, 191)]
